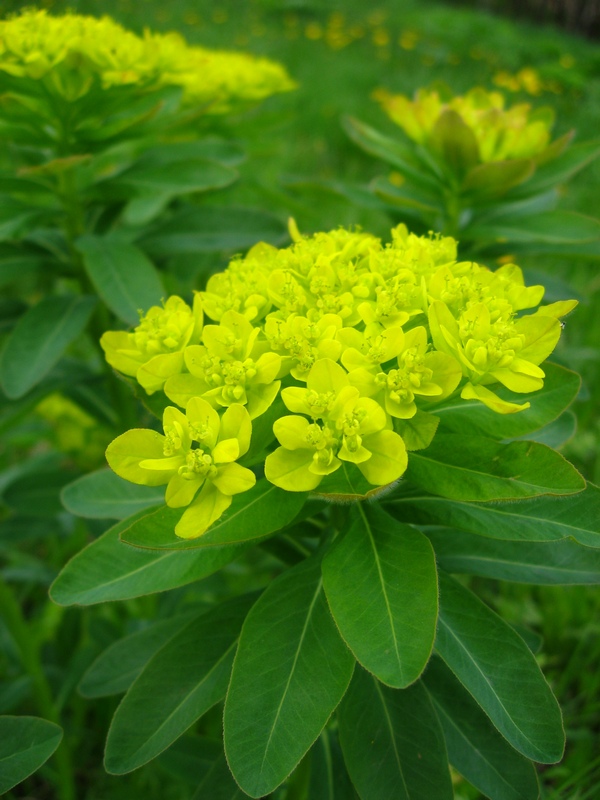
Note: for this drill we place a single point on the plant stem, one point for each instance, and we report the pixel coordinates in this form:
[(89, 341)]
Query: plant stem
[(29, 652)]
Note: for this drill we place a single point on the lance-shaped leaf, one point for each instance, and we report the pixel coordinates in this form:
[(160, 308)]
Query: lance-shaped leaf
[(290, 672), (252, 515), (39, 339), (561, 169), (473, 468), (562, 562), (455, 142), (549, 228), (218, 784), (191, 757), (475, 748), (119, 665), (200, 230), (539, 519), (103, 495), (107, 569), (184, 176), (122, 274), (329, 779), (496, 178), (496, 667), (390, 150), (392, 742), (561, 387), (25, 744), (185, 678), (381, 584)]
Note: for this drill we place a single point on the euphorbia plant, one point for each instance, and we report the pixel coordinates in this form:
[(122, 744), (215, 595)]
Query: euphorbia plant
[(481, 171), (104, 135), (374, 416)]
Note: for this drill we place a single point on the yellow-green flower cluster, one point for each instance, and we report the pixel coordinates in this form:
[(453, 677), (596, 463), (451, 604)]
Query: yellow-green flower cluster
[(500, 133), (355, 336), (71, 52)]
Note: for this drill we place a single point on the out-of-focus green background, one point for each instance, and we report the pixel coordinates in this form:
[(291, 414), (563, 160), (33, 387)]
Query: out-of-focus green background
[(340, 52)]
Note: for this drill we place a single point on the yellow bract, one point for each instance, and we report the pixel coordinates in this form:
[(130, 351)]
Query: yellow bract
[(195, 458), (500, 133), (154, 350), (360, 340), (71, 51)]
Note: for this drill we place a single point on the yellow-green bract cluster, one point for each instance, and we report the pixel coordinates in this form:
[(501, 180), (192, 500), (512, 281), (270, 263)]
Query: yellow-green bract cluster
[(359, 339), (70, 52), (499, 133)]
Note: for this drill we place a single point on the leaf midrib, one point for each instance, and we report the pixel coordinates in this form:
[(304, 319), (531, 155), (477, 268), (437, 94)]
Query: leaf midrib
[(514, 481), (489, 508), (383, 591), (292, 670), (442, 710), (484, 676), (392, 736), (167, 719)]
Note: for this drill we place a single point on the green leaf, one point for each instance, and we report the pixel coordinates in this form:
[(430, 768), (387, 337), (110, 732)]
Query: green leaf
[(218, 784), (380, 577), (562, 562), (191, 757), (119, 665), (25, 744), (540, 519), (206, 229), (392, 742), (175, 178), (290, 672), (390, 150), (411, 201), (551, 228), (123, 276), (179, 684), (103, 495), (107, 569), (561, 169), (561, 387), (463, 467), (496, 178), (475, 747), (212, 148), (455, 142), (496, 667), (255, 514), (556, 434), (39, 339), (38, 494), (16, 218), (418, 431), (16, 265), (329, 779), (346, 484)]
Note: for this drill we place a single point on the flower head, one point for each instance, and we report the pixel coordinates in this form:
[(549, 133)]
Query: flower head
[(153, 351), (500, 133), (71, 53)]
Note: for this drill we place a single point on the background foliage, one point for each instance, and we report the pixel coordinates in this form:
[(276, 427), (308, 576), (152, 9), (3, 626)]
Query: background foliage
[(339, 56)]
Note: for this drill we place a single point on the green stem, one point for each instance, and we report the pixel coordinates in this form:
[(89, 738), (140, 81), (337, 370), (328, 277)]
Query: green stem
[(452, 208), (30, 657)]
